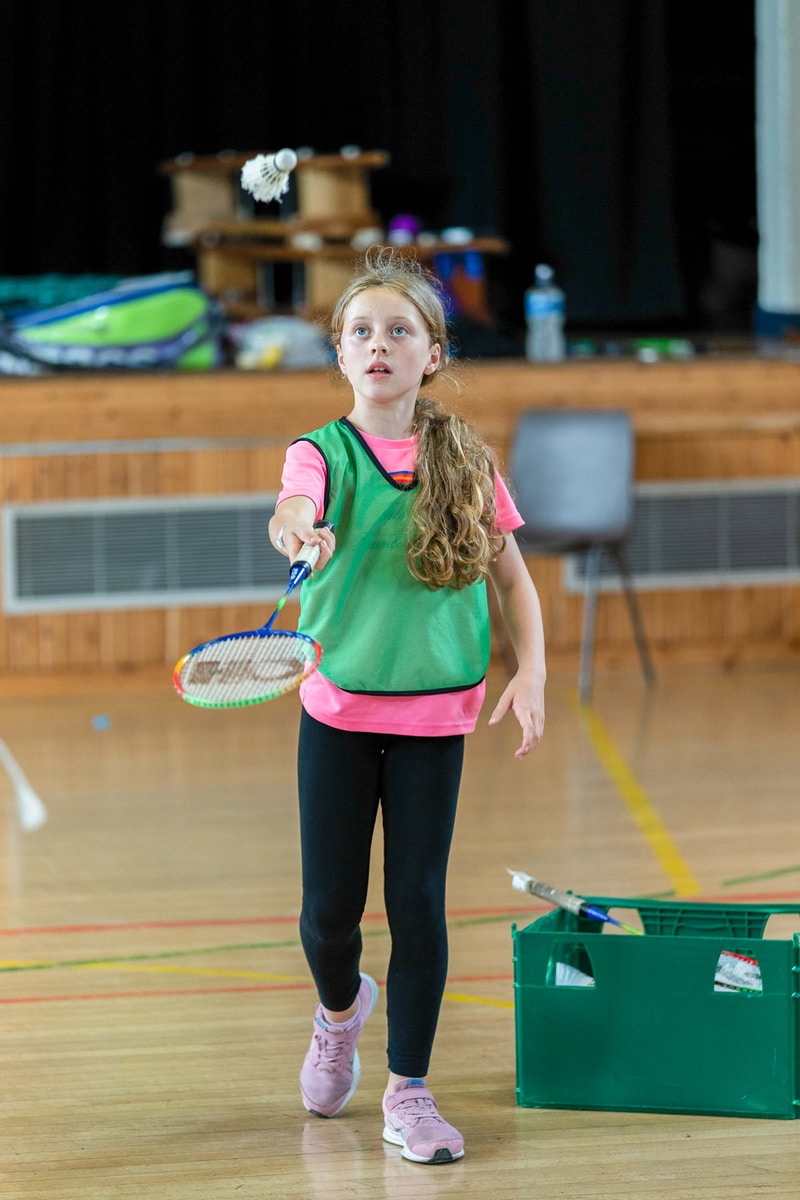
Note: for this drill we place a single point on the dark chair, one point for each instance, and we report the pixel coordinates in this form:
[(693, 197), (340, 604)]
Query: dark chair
[(571, 471)]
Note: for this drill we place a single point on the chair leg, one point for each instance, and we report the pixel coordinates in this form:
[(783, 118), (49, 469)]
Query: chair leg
[(593, 557), (621, 560)]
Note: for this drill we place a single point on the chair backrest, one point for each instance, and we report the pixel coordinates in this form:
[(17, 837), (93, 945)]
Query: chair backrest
[(571, 472)]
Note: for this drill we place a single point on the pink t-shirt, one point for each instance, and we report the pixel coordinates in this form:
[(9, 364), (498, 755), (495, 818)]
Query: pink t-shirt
[(439, 715)]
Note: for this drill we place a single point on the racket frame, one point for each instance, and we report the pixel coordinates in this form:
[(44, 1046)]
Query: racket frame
[(300, 569), (265, 632)]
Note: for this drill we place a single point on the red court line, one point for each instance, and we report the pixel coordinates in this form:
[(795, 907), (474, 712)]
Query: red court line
[(226, 922), (146, 995), (751, 897), (212, 991), (453, 914), (119, 926)]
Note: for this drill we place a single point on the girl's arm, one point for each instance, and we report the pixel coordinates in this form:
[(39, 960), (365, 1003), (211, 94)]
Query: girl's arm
[(300, 503), (292, 526), (522, 614)]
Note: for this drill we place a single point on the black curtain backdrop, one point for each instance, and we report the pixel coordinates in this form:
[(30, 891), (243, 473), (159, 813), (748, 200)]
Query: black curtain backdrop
[(613, 138)]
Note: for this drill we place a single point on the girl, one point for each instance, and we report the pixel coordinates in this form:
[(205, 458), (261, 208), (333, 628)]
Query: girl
[(398, 601)]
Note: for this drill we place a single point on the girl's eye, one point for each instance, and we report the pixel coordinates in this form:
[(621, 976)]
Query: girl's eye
[(398, 329), (359, 330)]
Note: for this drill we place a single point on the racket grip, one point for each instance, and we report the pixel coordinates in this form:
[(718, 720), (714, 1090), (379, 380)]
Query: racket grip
[(526, 883), (306, 560), (303, 565), (566, 900)]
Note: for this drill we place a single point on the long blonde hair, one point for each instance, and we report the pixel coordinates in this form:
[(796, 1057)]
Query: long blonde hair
[(453, 535)]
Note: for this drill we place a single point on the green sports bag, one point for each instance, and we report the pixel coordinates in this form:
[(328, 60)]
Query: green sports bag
[(148, 323)]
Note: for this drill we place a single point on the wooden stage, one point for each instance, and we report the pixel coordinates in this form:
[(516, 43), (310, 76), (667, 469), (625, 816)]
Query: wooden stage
[(124, 435)]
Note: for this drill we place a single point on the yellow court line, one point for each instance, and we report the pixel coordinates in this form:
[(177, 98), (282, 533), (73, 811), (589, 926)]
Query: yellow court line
[(123, 967), (220, 972), (640, 808), (460, 999)]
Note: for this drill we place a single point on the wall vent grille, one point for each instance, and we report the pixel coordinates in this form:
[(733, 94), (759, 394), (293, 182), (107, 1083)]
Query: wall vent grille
[(708, 534), (139, 553), (166, 552)]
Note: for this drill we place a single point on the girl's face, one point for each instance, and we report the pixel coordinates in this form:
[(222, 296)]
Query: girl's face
[(385, 348)]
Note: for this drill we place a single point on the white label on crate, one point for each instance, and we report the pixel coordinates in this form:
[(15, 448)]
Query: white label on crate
[(737, 973)]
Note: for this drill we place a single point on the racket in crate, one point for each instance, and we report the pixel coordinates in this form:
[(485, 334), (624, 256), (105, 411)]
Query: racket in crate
[(255, 665), (566, 900)]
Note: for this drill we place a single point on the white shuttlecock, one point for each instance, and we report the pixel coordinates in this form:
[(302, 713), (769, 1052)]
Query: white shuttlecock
[(266, 177)]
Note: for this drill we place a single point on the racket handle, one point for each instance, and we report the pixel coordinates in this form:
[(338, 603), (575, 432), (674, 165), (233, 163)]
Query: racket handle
[(573, 904), (566, 900), (596, 914), (306, 560), (303, 565)]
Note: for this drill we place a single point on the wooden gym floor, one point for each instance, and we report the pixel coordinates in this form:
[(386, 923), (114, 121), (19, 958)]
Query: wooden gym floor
[(154, 999)]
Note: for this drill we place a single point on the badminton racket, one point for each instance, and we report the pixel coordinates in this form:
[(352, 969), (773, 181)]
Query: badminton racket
[(31, 813), (253, 666), (566, 900), (266, 177)]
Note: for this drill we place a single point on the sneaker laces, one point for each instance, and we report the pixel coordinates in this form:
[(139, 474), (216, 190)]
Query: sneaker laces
[(328, 1050), (417, 1108)]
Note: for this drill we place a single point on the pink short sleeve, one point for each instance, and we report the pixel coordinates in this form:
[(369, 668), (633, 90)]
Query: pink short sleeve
[(303, 475), (508, 516)]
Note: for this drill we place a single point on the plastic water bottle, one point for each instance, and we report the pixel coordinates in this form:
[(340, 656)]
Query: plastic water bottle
[(544, 316)]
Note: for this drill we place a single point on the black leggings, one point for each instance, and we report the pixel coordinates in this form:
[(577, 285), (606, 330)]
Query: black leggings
[(343, 778)]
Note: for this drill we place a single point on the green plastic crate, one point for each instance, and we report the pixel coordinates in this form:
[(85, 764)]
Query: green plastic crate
[(652, 1034)]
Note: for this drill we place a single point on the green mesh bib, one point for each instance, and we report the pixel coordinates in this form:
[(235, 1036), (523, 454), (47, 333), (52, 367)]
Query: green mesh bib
[(382, 631)]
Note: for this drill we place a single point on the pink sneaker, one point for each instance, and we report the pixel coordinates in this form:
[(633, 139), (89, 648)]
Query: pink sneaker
[(331, 1069), (412, 1121)]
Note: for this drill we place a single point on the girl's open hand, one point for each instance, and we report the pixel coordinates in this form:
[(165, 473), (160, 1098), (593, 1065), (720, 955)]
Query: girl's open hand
[(525, 698)]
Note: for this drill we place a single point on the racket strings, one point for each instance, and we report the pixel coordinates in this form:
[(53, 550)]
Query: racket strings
[(246, 668)]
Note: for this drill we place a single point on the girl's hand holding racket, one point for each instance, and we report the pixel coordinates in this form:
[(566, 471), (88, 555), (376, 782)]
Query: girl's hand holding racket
[(293, 540), (256, 665)]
